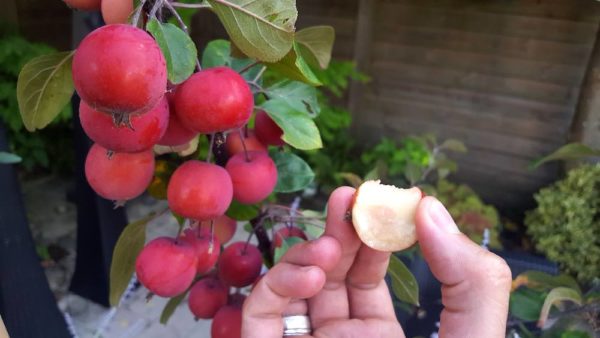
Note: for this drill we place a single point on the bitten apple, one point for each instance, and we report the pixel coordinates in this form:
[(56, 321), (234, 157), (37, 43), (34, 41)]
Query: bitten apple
[(384, 215)]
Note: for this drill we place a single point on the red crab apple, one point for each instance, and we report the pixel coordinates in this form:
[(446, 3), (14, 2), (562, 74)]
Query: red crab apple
[(116, 11), (176, 134), (144, 132), (207, 296), (234, 145), (267, 131), (119, 69), (224, 228), (384, 216), (240, 264), (254, 177), (199, 190), (287, 232), (214, 100), (227, 322), (84, 5), (120, 176), (166, 267), (207, 248)]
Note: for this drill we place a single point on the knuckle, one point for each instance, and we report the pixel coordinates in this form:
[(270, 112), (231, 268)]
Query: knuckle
[(496, 272)]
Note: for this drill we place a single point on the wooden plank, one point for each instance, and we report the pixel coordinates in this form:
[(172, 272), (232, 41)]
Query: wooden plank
[(475, 42), (398, 105), (488, 64), (484, 102), (391, 75), (574, 10), (362, 50), (504, 144), (395, 15), (329, 8)]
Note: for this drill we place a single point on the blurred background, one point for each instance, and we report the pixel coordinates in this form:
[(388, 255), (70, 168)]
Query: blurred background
[(460, 97)]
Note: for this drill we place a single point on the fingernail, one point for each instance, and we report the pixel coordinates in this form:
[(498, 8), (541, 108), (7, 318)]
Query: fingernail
[(441, 217)]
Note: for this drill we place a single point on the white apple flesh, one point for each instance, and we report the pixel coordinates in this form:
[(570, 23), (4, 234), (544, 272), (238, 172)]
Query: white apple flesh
[(384, 215)]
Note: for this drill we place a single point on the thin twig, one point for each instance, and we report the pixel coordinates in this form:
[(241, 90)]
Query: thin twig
[(260, 73), (158, 4), (210, 148), (248, 67), (138, 12), (184, 5)]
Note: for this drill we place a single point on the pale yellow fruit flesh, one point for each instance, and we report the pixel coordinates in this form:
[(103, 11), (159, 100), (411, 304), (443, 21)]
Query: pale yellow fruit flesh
[(384, 216)]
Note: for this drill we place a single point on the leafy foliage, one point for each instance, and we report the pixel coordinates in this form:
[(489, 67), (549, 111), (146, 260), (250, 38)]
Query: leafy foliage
[(468, 210), (571, 151), (565, 226), (177, 47), (48, 148)]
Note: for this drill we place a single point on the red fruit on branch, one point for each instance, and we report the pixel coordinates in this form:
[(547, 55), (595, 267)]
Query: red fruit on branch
[(234, 145), (240, 264), (227, 322), (84, 5), (116, 11), (253, 178), (267, 131), (176, 134), (166, 267), (207, 296), (143, 133), (200, 191), (120, 176), (287, 232), (119, 69), (207, 248), (214, 100), (224, 228)]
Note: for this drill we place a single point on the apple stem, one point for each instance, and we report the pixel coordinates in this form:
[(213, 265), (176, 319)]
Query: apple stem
[(138, 12), (247, 242), (183, 26), (264, 243), (244, 145), (210, 147), (157, 5), (211, 242), (245, 69), (246, 130)]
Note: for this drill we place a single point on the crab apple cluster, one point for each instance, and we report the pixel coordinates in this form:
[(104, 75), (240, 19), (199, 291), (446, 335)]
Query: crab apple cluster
[(113, 11)]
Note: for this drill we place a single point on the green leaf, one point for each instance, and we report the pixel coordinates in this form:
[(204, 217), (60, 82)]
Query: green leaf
[(261, 29), (558, 295), (454, 145), (538, 280), (298, 95), (571, 151), (526, 304), (170, 307), (295, 67), (316, 44), (293, 174), (217, 53), (404, 284), (177, 47), (44, 88), (299, 130), (412, 172), (128, 246), (8, 158), (286, 244), (242, 212)]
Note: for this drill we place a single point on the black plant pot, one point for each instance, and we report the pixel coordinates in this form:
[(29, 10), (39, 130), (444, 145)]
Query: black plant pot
[(423, 322)]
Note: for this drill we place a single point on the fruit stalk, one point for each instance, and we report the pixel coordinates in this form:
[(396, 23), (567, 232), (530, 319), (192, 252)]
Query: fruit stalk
[(264, 243)]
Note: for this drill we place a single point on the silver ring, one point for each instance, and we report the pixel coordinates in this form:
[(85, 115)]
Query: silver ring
[(296, 325)]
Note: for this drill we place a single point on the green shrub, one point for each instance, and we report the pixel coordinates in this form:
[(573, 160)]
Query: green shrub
[(565, 226), (50, 148)]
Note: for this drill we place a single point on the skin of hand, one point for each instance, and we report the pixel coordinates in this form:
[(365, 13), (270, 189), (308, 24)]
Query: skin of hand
[(340, 282)]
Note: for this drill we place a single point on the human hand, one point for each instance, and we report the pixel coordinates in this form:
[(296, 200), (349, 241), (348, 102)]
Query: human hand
[(339, 282)]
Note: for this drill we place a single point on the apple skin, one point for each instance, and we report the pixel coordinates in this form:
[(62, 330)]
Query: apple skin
[(84, 5), (116, 11), (233, 144), (227, 322), (225, 228), (239, 264), (207, 296), (119, 69), (214, 100), (199, 190), (146, 129), (166, 267), (120, 177), (207, 256), (253, 179), (267, 131)]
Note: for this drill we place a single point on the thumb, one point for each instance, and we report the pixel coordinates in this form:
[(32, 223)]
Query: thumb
[(475, 282)]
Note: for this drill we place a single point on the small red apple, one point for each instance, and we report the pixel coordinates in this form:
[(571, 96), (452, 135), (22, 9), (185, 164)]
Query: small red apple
[(240, 264)]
